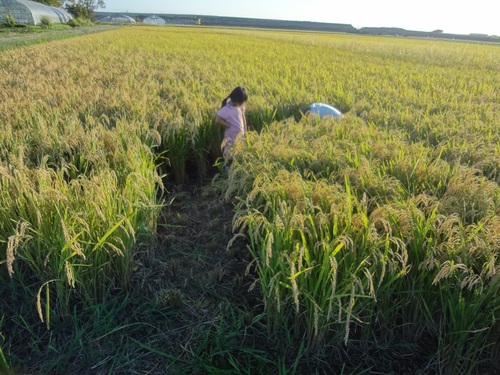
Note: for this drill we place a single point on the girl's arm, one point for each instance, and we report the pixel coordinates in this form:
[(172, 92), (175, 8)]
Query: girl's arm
[(244, 120), (219, 120)]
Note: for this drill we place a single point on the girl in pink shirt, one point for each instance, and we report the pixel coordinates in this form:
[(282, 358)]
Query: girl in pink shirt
[(232, 118)]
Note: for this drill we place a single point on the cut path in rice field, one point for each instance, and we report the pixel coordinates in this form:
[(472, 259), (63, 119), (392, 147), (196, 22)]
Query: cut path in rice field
[(198, 274), (199, 266)]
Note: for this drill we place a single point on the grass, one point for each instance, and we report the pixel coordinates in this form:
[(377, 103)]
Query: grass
[(13, 38)]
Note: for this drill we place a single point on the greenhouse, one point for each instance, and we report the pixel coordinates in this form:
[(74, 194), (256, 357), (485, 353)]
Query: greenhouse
[(117, 19), (31, 13), (154, 20)]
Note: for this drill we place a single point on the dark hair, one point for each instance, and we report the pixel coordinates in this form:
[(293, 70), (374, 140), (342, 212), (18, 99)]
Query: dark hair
[(238, 95)]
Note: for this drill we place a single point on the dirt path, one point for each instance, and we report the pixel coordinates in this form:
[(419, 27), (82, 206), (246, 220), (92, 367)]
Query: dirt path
[(194, 232), (197, 276)]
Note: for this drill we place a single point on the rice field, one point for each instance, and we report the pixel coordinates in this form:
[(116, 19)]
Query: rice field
[(380, 230)]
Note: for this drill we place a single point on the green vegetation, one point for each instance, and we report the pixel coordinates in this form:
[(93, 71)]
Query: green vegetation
[(45, 22), (364, 245), (80, 22), (29, 35), (10, 21)]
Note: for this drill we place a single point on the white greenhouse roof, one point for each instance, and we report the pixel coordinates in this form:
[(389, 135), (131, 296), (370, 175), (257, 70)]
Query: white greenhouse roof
[(30, 12), (154, 20), (117, 19)]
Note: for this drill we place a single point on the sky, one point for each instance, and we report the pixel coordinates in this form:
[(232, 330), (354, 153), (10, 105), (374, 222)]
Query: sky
[(451, 16)]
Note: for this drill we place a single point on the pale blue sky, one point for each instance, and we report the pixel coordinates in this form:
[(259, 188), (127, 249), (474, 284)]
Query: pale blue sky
[(479, 16)]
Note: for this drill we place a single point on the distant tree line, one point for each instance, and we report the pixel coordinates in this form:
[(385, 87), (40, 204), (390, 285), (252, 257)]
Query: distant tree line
[(78, 8)]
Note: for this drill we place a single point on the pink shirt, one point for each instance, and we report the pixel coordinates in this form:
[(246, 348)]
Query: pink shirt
[(234, 117)]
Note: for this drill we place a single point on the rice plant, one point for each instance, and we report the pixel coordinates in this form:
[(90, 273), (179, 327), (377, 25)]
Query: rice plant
[(379, 227)]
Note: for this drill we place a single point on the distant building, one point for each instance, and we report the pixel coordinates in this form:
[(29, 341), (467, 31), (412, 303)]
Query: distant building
[(117, 19), (30, 13), (154, 20)]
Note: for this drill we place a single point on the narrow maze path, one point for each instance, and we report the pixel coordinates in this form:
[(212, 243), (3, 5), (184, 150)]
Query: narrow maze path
[(199, 278)]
